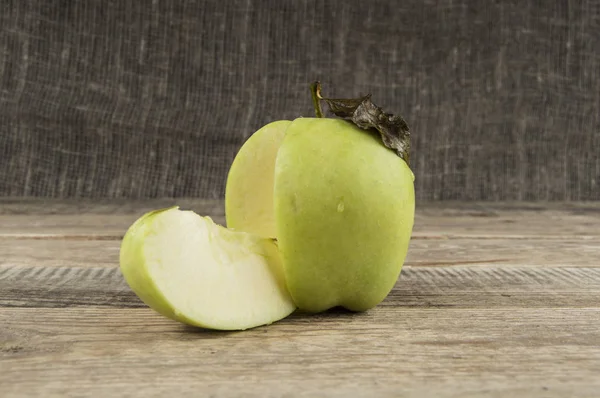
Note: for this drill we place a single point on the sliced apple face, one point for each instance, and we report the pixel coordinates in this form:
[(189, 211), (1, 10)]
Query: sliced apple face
[(249, 190), (191, 270)]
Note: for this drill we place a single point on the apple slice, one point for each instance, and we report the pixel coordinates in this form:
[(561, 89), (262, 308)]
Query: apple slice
[(194, 271)]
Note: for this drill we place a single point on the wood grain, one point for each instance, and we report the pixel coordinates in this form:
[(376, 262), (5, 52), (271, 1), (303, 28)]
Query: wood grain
[(390, 351), (479, 310), (464, 287), (448, 252)]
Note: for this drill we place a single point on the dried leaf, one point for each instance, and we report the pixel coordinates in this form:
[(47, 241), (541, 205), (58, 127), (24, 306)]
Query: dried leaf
[(394, 130)]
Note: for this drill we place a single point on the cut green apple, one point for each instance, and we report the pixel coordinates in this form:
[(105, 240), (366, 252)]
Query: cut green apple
[(189, 269), (340, 204)]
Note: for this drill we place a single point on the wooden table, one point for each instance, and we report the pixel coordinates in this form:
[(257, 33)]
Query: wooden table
[(499, 300)]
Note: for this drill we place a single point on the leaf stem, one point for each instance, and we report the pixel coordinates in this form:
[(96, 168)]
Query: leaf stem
[(315, 90), (361, 111)]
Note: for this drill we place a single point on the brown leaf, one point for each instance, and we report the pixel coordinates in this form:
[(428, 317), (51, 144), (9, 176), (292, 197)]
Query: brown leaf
[(394, 130)]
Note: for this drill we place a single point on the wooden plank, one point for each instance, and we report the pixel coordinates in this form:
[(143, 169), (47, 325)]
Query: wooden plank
[(110, 220), (391, 351), (538, 252), (509, 220), (60, 252), (422, 252), (464, 287)]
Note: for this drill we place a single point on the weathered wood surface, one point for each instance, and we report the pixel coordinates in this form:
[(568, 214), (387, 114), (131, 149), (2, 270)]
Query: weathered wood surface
[(109, 220), (498, 300), (423, 252)]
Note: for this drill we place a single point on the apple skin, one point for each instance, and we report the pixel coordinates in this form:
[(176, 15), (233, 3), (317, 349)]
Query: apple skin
[(344, 211), (136, 276), (249, 189)]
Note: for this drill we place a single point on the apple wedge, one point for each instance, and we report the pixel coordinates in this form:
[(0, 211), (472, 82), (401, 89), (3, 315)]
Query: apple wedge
[(194, 271)]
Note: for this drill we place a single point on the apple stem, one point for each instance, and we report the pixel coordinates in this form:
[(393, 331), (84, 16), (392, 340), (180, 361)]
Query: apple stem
[(315, 90)]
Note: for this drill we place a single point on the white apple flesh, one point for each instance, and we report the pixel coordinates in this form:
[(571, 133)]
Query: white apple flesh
[(249, 199), (194, 271)]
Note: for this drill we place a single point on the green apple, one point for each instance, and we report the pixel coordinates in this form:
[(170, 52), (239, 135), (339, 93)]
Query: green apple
[(191, 270), (341, 206), (344, 210)]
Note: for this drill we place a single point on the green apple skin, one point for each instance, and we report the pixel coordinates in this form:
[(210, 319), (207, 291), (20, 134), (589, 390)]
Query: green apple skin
[(344, 210), (250, 182), (131, 259), (193, 271)]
